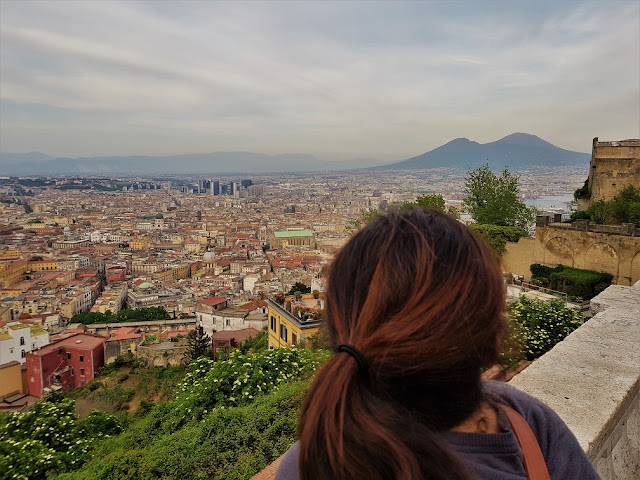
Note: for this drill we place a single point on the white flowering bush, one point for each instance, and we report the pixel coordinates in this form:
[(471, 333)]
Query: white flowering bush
[(543, 324), (49, 438), (237, 381), (227, 419)]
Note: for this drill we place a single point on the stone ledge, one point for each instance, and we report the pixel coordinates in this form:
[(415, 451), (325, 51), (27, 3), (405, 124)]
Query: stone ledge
[(592, 380)]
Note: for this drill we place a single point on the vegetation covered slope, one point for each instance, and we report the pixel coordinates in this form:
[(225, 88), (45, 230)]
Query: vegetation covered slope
[(223, 419)]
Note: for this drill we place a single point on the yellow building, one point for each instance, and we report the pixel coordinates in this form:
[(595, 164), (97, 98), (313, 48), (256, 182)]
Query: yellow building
[(64, 244), (286, 329), (11, 378), (10, 254), (173, 273), (43, 265), (139, 243), (12, 272), (289, 238), (40, 207)]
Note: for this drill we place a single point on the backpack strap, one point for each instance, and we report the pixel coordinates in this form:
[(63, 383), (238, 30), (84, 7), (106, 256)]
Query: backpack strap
[(534, 462)]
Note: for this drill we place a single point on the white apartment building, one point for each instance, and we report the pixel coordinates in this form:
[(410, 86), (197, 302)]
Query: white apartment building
[(16, 339)]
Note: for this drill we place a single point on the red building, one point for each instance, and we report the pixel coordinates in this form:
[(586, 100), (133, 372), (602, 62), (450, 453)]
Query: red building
[(115, 273), (65, 364), (232, 338)]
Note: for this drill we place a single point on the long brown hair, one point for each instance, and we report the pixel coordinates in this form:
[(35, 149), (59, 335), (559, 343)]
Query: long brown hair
[(422, 298)]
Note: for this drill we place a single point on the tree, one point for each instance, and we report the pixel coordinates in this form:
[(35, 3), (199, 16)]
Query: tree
[(36, 258), (493, 199), (434, 202), (497, 237), (198, 343), (354, 225), (299, 287), (624, 208)]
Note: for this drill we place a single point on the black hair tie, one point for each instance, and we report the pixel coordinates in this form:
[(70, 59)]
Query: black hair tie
[(355, 353)]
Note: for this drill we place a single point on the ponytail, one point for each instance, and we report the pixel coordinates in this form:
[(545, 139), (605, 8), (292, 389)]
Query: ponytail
[(347, 433)]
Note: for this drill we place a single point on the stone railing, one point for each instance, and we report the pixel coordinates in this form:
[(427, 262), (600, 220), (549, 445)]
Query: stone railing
[(628, 229), (592, 380)]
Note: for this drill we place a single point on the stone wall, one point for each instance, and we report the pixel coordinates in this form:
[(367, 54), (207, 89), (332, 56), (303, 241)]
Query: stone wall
[(162, 354), (614, 166), (614, 250), (592, 380), (114, 348)]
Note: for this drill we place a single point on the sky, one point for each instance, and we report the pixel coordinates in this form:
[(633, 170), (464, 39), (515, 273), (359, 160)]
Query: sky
[(338, 80)]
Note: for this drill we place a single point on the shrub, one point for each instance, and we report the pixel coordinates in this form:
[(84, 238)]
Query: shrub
[(513, 346), (543, 324), (117, 396), (580, 283), (624, 208), (93, 386), (50, 438), (580, 215), (233, 443), (575, 282), (497, 236), (538, 272), (583, 192)]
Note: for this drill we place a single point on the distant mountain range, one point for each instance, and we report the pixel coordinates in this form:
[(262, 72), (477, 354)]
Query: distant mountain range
[(516, 151)]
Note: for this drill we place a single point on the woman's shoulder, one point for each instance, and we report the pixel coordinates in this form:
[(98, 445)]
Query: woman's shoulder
[(564, 455), (288, 468)]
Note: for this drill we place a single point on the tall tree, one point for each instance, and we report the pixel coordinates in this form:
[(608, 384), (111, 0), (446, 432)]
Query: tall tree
[(493, 199), (198, 342), (354, 225), (435, 202)]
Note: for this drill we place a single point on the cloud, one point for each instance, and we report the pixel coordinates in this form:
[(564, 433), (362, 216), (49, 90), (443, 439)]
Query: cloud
[(334, 79)]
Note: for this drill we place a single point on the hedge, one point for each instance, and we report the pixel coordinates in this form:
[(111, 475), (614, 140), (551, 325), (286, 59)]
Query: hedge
[(575, 282), (580, 283)]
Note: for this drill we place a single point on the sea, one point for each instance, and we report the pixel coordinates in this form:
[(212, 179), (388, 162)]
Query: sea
[(550, 201)]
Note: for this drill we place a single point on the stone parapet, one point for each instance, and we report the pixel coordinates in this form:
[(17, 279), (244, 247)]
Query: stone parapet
[(592, 380)]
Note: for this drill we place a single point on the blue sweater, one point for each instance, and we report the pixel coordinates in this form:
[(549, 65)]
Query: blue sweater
[(498, 456)]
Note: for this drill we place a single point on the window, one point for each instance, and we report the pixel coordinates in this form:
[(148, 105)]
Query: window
[(273, 323), (283, 332), (294, 339), (82, 372), (82, 358), (11, 350), (22, 354), (21, 340), (228, 322), (68, 356)]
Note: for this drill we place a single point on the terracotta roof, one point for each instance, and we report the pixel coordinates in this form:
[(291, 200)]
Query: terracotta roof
[(213, 301), (87, 341), (252, 305), (237, 335)]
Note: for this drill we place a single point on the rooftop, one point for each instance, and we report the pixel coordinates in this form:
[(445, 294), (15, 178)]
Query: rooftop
[(81, 340), (293, 233), (212, 301)]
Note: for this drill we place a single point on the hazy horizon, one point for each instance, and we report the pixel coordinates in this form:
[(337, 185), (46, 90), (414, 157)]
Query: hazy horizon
[(337, 80)]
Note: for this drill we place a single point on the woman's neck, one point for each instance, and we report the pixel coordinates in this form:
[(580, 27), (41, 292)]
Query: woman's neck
[(483, 420)]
